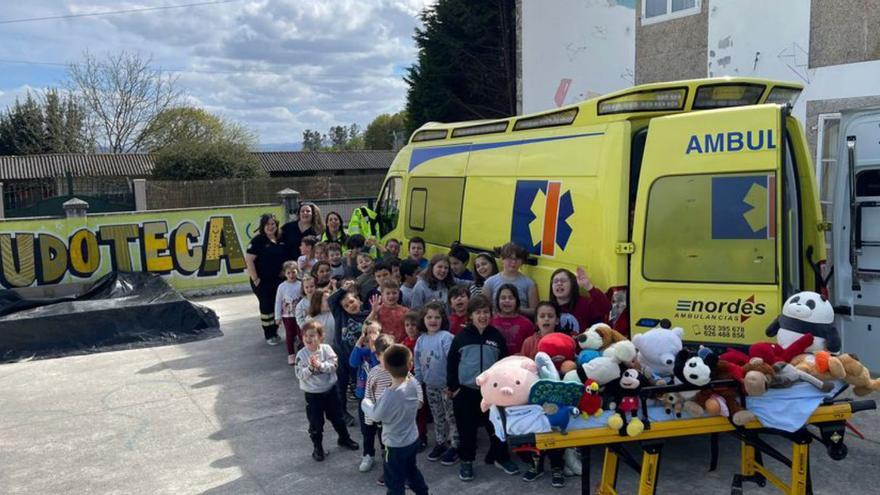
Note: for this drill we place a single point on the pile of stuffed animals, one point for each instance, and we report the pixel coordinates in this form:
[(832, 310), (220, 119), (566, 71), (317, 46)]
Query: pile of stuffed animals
[(601, 370)]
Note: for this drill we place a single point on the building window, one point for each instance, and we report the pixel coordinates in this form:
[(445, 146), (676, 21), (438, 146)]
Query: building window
[(664, 10), (826, 164)]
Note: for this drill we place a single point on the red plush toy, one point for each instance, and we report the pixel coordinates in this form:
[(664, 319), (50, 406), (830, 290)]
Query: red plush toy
[(561, 349), (770, 352)]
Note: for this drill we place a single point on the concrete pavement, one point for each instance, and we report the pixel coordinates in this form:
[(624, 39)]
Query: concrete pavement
[(225, 416)]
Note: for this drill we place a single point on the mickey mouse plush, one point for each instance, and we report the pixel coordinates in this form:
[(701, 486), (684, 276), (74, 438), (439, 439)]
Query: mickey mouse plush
[(702, 368), (624, 396)]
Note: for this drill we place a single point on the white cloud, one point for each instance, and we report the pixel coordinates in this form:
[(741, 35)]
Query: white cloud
[(278, 66)]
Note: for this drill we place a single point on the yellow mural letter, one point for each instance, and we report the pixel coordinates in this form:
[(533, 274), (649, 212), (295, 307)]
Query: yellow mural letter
[(118, 237), (85, 258), (154, 247), (187, 259), (17, 258), (53, 259), (222, 242)]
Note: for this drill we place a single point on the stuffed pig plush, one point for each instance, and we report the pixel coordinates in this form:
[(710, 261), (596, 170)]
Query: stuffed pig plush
[(507, 382)]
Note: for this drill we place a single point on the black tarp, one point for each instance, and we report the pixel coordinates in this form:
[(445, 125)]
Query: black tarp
[(118, 311)]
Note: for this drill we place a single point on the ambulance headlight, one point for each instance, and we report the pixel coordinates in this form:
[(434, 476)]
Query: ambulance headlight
[(782, 95), (644, 101), (727, 95)]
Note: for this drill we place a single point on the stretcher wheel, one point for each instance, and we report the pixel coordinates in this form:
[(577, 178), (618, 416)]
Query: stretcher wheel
[(837, 451), (761, 482)]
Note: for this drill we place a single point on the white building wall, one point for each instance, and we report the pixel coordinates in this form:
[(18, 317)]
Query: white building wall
[(575, 49), (757, 38)]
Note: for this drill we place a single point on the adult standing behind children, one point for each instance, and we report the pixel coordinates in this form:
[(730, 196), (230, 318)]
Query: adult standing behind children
[(473, 351), (512, 258), (335, 231), (578, 312), (265, 256), (434, 283), (308, 221)]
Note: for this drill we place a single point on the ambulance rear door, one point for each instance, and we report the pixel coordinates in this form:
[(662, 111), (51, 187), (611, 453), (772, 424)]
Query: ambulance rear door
[(855, 219), (711, 243)]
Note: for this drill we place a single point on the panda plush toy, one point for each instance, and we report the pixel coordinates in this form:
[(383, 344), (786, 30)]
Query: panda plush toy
[(803, 313)]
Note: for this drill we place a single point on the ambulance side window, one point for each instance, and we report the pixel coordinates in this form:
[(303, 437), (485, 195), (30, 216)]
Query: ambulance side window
[(434, 209), (388, 209), (711, 228)]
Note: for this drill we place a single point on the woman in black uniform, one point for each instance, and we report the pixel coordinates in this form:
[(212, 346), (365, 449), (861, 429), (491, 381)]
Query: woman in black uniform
[(265, 255), (308, 222)]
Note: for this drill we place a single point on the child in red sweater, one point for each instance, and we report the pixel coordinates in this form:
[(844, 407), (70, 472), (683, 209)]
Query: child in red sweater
[(509, 321), (458, 302)]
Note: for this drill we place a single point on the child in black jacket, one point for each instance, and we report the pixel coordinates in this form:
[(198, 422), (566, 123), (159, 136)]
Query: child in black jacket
[(476, 348)]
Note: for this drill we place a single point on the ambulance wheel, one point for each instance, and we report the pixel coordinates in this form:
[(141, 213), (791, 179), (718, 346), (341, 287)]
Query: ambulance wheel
[(837, 451)]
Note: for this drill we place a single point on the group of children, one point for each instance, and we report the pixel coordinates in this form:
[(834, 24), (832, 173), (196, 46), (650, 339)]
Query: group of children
[(393, 334)]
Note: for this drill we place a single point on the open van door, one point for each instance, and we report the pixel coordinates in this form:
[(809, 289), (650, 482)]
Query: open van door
[(716, 224), (856, 236)]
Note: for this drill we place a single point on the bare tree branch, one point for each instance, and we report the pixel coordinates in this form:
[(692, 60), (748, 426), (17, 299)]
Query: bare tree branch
[(122, 95)]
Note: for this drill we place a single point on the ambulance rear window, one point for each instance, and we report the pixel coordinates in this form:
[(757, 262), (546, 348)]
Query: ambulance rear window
[(711, 228), (868, 183)]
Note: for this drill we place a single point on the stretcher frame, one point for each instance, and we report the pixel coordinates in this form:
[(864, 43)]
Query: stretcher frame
[(830, 418)]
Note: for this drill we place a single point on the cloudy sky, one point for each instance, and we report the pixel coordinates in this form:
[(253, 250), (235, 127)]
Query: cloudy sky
[(278, 66)]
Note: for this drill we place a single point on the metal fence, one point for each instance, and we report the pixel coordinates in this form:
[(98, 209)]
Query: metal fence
[(44, 197), (190, 194)]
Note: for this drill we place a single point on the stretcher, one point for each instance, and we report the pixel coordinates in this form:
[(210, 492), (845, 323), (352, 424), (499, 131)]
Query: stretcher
[(829, 420)]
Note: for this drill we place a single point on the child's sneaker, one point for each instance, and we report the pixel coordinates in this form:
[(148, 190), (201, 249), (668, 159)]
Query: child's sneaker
[(557, 479), (423, 444), (381, 480), (508, 467), (273, 340), (450, 457), (533, 473), (291, 359), (437, 452), (366, 464), (466, 471)]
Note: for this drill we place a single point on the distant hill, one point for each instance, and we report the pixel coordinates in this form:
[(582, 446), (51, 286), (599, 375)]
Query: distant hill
[(279, 147)]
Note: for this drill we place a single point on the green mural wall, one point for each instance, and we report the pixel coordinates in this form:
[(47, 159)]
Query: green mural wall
[(192, 248)]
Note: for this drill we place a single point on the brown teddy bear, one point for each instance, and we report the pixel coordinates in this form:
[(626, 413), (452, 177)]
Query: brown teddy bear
[(825, 366)]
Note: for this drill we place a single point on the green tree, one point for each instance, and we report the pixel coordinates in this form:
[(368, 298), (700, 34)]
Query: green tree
[(190, 124), (204, 160), (51, 123), (386, 132), (312, 140), (466, 63)]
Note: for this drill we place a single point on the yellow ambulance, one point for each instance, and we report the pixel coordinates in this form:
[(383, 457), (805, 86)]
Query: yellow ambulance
[(691, 200)]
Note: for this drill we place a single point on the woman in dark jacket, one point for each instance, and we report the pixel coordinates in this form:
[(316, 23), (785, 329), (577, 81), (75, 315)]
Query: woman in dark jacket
[(265, 255), (308, 221)]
